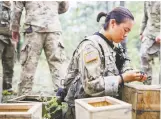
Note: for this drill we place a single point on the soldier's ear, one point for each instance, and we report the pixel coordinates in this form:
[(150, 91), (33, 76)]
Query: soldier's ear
[(112, 22)]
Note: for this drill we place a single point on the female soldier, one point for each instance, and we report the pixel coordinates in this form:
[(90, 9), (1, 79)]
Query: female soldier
[(97, 68)]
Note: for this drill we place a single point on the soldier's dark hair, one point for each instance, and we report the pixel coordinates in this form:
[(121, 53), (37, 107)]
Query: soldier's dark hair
[(120, 14)]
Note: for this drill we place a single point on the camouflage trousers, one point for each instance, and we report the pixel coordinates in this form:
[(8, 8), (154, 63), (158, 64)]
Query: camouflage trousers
[(30, 52), (70, 114), (149, 50), (7, 57)]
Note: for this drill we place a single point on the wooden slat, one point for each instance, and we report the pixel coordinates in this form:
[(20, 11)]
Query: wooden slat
[(144, 99), (20, 110), (15, 106), (146, 115), (129, 95), (148, 100)]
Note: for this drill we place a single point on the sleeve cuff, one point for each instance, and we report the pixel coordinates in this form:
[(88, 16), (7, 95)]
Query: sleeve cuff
[(111, 85)]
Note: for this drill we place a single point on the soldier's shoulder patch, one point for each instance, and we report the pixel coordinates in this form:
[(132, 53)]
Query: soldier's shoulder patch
[(90, 56)]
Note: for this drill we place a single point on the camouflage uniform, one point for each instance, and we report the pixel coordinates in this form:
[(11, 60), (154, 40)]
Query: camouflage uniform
[(92, 77), (42, 31), (6, 47), (150, 30)]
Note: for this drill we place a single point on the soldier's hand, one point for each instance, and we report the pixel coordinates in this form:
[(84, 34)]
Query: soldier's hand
[(15, 36), (134, 75), (157, 39)]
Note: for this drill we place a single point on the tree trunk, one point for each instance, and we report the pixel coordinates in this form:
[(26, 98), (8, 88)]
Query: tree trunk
[(122, 3)]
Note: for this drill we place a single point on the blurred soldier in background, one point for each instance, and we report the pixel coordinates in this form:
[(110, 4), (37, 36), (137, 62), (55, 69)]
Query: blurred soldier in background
[(42, 31), (150, 29), (6, 47)]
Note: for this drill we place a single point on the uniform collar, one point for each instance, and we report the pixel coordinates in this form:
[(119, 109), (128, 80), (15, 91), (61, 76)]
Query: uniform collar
[(102, 32)]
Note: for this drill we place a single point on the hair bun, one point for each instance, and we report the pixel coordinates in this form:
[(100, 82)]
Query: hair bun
[(100, 15)]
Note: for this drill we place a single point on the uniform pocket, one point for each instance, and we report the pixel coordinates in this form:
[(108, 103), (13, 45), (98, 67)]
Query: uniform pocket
[(24, 54), (146, 43), (60, 51)]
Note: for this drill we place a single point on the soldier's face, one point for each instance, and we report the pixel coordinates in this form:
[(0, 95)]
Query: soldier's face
[(120, 32)]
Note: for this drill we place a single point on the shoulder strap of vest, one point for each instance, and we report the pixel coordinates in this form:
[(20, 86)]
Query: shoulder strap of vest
[(78, 46), (107, 41), (103, 53)]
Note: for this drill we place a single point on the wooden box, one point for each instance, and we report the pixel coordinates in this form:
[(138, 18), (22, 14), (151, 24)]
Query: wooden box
[(37, 98), (102, 108), (28, 99), (21, 111), (145, 100)]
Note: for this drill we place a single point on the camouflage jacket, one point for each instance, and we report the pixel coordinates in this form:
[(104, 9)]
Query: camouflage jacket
[(42, 14), (151, 20), (5, 21), (90, 77)]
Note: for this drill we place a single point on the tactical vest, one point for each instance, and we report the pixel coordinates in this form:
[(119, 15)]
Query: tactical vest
[(5, 18)]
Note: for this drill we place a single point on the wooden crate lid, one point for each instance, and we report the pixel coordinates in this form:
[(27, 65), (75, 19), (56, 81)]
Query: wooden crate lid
[(143, 87)]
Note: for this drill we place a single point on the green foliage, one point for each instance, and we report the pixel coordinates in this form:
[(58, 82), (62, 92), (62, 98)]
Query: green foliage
[(80, 21), (5, 93), (52, 106)]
